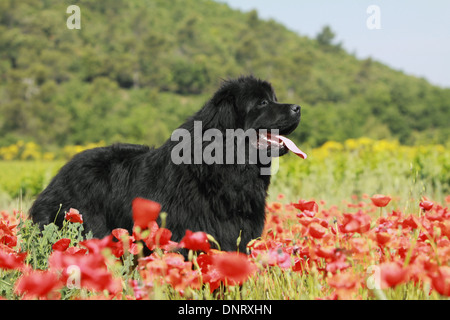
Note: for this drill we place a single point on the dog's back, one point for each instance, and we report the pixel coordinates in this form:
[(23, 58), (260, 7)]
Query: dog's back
[(98, 179)]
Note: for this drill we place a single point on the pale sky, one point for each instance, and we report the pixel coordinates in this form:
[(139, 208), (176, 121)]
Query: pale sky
[(414, 35)]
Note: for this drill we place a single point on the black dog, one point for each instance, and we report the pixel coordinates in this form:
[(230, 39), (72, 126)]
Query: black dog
[(223, 199)]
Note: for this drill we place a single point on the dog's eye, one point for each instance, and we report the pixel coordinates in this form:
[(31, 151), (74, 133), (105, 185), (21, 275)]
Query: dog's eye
[(264, 103)]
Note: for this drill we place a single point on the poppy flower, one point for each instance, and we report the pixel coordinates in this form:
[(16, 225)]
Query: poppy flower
[(76, 250), (95, 246), (197, 241), (336, 265), (380, 200), (426, 205), (158, 237), (410, 221), (392, 274), (120, 233), (204, 261), (162, 236), (61, 245), (276, 257), (441, 281), (233, 266), (5, 228), (210, 274), (73, 216), (144, 211), (11, 261), (124, 238), (9, 241), (303, 205), (93, 273), (306, 221), (316, 230), (275, 207), (38, 284), (326, 252), (358, 222), (300, 265), (445, 228), (383, 238)]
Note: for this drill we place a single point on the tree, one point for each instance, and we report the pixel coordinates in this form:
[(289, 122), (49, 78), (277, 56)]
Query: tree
[(325, 38)]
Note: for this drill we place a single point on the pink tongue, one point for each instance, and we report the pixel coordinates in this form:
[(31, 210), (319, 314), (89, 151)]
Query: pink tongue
[(291, 146)]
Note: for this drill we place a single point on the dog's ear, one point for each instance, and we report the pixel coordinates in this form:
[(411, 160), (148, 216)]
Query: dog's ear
[(222, 109)]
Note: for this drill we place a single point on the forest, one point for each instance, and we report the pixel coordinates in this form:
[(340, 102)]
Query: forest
[(137, 68)]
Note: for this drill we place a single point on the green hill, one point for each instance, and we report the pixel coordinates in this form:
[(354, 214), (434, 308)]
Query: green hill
[(137, 68)]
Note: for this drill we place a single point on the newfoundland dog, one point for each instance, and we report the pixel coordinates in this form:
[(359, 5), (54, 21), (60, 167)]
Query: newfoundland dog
[(212, 175)]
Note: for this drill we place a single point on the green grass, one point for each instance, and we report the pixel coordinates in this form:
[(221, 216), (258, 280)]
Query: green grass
[(20, 181), (332, 173), (337, 171)]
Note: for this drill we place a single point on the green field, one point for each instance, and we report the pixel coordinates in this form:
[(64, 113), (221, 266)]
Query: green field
[(333, 172), (20, 181)]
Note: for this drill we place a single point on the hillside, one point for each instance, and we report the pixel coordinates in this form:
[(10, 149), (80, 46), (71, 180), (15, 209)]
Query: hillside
[(137, 68)]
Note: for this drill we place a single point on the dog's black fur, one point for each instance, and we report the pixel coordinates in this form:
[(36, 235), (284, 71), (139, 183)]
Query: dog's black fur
[(224, 200)]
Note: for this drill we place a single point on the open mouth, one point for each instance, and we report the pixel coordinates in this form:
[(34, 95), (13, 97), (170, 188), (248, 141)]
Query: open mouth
[(267, 140)]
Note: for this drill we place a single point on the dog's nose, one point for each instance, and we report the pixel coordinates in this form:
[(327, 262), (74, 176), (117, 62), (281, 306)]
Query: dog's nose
[(295, 108)]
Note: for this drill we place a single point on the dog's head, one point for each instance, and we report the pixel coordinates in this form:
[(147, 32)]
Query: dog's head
[(251, 104)]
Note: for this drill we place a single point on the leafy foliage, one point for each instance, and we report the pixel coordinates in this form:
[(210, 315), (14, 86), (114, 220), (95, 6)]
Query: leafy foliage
[(136, 69)]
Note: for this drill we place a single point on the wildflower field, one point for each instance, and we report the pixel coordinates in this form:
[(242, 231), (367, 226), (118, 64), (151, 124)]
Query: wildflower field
[(362, 219)]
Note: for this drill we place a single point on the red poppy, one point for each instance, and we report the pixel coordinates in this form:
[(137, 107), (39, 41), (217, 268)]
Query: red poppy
[(95, 246), (441, 281), (276, 257), (326, 252), (9, 241), (11, 261), (426, 205), (300, 265), (38, 284), (124, 238), (5, 228), (380, 200), (306, 221), (162, 236), (61, 245), (338, 264), (120, 233), (316, 230), (158, 237), (445, 228), (195, 241), (358, 222), (303, 205), (76, 250), (410, 221), (233, 266), (74, 216), (276, 206), (383, 238), (145, 211), (204, 261), (392, 274), (93, 273)]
